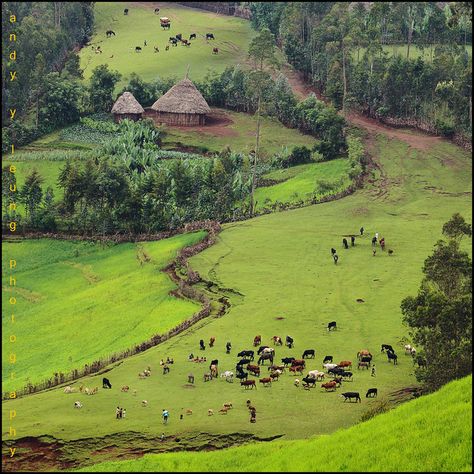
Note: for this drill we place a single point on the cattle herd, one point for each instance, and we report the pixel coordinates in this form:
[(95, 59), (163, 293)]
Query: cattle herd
[(165, 23)]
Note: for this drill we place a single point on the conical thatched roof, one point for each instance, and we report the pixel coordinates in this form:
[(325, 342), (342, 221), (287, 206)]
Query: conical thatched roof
[(182, 98), (127, 104)]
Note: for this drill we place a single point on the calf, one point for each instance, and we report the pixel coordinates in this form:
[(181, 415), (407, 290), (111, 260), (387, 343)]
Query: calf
[(248, 383), (179, 36), (372, 392), (332, 326), (386, 347), (287, 360), (327, 359), (329, 385), (308, 353), (106, 383), (350, 395), (266, 381)]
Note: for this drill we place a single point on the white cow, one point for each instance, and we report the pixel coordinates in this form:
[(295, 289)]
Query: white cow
[(268, 350), (316, 374), (228, 375), (77, 404), (329, 366), (68, 389)]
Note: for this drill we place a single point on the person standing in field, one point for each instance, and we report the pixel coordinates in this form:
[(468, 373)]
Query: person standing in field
[(373, 371), (165, 415), (361, 231), (336, 258)]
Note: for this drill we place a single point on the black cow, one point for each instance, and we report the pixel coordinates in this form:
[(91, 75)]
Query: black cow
[(106, 383), (344, 242), (261, 348), (246, 354), (366, 359), (244, 362), (125, 12), (157, 10), (333, 251), (372, 392), (138, 49), (192, 36), (309, 381), (336, 371), (289, 341), (242, 375), (109, 33), (287, 360), (346, 374), (387, 347), (332, 325), (179, 36), (264, 357), (308, 353), (209, 36), (327, 359), (350, 395), (392, 356)]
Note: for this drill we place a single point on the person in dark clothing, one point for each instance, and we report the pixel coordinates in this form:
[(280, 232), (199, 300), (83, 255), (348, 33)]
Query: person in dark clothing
[(374, 241), (361, 231), (353, 239), (228, 346), (344, 242), (201, 345), (336, 258), (333, 251)]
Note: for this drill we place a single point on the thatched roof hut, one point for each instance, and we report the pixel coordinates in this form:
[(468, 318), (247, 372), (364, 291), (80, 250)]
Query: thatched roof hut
[(126, 106), (183, 104)]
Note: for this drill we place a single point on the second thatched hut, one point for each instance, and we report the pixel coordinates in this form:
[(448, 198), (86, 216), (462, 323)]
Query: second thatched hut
[(127, 107), (183, 104)]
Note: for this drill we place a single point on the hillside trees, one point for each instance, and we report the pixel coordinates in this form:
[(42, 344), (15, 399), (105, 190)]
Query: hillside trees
[(440, 316), (101, 88)]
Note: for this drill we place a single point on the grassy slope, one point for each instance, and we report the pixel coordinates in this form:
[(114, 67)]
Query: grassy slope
[(241, 136), (409, 438), (302, 182), (232, 35), (80, 290), (282, 265)]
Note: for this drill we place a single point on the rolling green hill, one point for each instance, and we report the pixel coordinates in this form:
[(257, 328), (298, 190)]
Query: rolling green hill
[(430, 434)]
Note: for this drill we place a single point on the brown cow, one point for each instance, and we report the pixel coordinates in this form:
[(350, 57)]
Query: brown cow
[(363, 352), (275, 375), (345, 364), (215, 50), (253, 369), (266, 381), (276, 367), (301, 362), (257, 340), (329, 385), (248, 383), (277, 341), (297, 368)]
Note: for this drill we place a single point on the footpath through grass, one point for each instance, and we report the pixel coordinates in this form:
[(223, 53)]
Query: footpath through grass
[(431, 434), (78, 301)]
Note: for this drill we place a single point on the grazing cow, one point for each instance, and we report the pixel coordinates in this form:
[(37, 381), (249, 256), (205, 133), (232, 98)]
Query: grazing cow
[(246, 354), (157, 10), (346, 364), (297, 369), (372, 392), (277, 341), (386, 347), (350, 395), (344, 242), (257, 340), (346, 375), (335, 371), (253, 369), (333, 252), (289, 342), (392, 356), (329, 366), (332, 326), (362, 353), (192, 36), (265, 356), (210, 412), (243, 362), (281, 368), (242, 375), (261, 349), (309, 380), (266, 381), (309, 353), (125, 388), (211, 341), (109, 33), (77, 404), (329, 385), (248, 383), (125, 12), (209, 36), (316, 374), (228, 375), (363, 364), (106, 383), (207, 377), (287, 360), (327, 359), (137, 49), (275, 375), (301, 362)]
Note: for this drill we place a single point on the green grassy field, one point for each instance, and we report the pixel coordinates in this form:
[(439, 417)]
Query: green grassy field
[(300, 182), (287, 283), (84, 301), (240, 135), (232, 37), (412, 438)]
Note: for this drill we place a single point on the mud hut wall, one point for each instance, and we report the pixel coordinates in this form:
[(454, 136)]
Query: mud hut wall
[(134, 117), (180, 119)]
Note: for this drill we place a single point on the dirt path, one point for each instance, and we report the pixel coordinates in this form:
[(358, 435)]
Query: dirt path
[(414, 139)]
